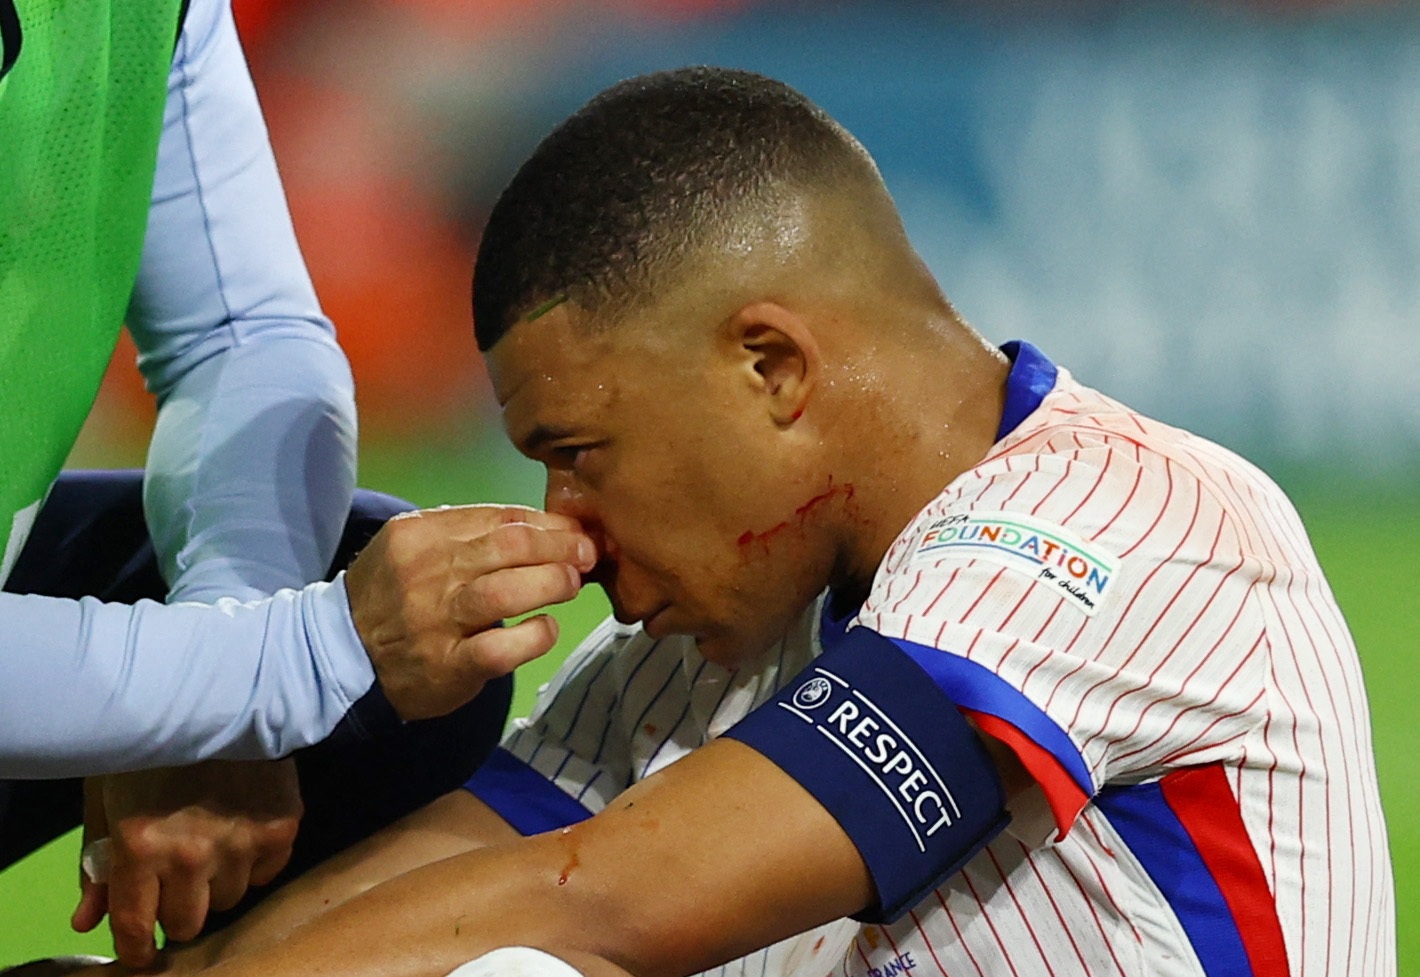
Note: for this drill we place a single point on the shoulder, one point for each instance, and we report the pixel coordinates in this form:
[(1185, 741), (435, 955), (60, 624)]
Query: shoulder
[(1088, 498), (1091, 464)]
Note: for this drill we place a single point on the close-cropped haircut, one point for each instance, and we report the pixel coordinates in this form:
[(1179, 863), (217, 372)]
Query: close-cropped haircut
[(612, 203)]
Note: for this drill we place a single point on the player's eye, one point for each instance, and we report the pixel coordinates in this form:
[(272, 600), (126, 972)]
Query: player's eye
[(570, 456)]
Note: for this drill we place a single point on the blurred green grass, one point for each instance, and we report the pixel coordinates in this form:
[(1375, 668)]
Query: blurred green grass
[(1364, 537)]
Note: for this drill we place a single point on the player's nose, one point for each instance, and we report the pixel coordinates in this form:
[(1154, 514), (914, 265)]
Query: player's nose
[(564, 498)]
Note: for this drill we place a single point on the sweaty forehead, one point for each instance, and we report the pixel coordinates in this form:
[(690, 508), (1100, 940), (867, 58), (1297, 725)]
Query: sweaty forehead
[(541, 354), (552, 373)]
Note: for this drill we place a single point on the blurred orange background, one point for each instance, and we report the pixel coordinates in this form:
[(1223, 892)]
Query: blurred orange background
[(1088, 174)]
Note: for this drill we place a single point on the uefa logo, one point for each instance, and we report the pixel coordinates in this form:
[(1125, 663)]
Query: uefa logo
[(813, 693)]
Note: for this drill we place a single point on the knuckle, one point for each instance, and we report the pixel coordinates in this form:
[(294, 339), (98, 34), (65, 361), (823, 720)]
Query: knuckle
[(567, 582), (286, 830), (493, 595), (130, 925), (479, 658), (555, 583), (274, 839), (400, 536), (191, 854), (498, 652), (283, 831), (138, 840), (516, 542)]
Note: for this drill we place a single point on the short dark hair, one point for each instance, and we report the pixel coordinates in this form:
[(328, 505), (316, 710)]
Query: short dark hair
[(647, 171)]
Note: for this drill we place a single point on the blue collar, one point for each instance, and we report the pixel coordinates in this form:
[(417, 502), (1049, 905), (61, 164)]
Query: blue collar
[(1032, 376)]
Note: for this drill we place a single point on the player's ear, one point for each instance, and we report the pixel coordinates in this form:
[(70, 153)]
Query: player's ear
[(777, 355)]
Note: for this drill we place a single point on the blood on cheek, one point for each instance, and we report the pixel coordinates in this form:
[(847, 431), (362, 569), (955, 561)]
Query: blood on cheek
[(749, 538)]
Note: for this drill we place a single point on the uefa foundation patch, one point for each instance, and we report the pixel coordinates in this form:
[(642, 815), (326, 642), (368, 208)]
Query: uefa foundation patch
[(1082, 572)]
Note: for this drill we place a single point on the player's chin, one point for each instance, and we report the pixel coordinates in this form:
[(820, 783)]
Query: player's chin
[(730, 649)]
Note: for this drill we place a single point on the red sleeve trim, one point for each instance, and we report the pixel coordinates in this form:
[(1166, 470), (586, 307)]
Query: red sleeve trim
[(1064, 796)]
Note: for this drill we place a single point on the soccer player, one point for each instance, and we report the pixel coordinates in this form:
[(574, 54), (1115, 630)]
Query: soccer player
[(136, 184), (1077, 699)]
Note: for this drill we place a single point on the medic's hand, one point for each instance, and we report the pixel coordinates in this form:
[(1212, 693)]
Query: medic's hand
[(183, 840), (428, 593)]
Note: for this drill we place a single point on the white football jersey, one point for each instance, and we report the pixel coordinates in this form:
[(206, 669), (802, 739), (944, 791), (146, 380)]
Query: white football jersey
[(1138, 614)]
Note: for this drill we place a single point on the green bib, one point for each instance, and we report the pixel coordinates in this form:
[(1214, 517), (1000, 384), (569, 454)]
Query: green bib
[(81, 111)]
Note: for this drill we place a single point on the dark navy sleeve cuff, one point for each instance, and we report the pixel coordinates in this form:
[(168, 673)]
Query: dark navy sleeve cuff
[(523, 797)]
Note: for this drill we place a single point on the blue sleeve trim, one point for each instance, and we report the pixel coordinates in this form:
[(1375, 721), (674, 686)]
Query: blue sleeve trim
[(976, 687), (891, 757), (1152, 830), (523, 797)]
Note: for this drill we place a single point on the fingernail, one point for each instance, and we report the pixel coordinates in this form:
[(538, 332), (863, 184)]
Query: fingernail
[(586, 552)]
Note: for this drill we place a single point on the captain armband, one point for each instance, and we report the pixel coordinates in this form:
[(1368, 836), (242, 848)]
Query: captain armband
[(887, 753)]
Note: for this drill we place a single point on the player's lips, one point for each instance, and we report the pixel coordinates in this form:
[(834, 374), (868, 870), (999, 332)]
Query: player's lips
[(626, 612), (635, 615), (652, 620)]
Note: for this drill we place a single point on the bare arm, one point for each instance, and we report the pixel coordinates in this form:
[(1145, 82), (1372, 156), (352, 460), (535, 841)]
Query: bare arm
[(453, 825), (714, 856), (717, 855)]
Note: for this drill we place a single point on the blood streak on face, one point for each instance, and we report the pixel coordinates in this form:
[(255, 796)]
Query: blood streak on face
[(749, 538)]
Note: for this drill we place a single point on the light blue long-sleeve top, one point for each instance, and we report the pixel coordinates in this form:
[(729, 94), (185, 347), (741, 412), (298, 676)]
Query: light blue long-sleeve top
[(248, 481)]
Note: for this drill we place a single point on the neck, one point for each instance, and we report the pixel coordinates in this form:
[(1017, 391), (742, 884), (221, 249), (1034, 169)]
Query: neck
[(938, 419)]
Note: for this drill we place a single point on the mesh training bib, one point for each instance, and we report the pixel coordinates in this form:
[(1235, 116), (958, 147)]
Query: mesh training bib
[(81, 110)]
